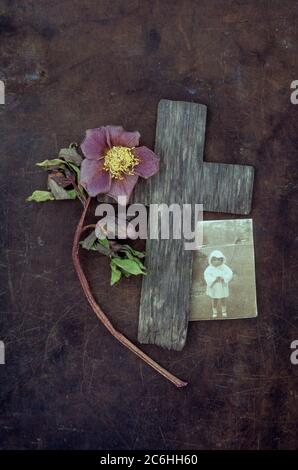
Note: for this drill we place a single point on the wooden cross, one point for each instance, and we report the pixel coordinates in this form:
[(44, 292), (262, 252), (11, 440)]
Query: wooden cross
[(183, 178)]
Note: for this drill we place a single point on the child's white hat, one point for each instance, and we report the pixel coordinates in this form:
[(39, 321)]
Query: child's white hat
[(216, 254)]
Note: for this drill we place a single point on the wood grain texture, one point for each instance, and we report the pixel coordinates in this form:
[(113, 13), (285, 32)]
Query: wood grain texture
[(226, 188), (165, 295)]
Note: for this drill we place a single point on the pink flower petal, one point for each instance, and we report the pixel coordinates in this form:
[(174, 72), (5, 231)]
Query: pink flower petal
[(123, 187), (113, 133), (94, 178), (95, 145), (149, 162), (117, 136)]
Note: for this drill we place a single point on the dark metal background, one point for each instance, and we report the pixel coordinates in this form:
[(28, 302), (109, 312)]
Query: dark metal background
[(72, 65)]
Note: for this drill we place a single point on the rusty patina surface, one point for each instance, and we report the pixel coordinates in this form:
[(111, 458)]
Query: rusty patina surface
[(70, 66)]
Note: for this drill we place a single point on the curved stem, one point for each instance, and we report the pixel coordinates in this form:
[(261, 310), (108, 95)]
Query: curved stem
[(87, 227), (101, 315)]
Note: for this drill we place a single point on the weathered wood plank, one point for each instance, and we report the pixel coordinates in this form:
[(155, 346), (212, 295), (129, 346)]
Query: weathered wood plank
[(165, 295), (226, 188)]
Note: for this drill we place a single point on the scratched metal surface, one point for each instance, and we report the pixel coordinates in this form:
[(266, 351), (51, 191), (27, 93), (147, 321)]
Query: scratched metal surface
[(69, 66)]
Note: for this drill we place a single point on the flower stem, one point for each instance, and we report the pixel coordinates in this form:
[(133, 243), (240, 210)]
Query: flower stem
[(77, 190), (87, 227), (101, 315)]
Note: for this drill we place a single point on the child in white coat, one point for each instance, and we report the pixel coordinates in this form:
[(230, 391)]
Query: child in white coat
[(217, 276)]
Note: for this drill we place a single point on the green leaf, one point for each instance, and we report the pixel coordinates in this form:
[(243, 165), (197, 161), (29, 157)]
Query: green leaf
[(71, 155), (88, 242), (71, 193), (49, 164), (59, 192), (128, 265), (60, 178), (104, 242), (139, 254), (40, 196), (135, 259), (115, 274), (92, 243), (75, 169)]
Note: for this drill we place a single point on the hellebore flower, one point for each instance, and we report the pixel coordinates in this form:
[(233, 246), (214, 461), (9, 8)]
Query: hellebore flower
[(114, 161)]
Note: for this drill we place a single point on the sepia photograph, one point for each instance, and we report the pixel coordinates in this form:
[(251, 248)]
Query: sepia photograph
[(224, 284)]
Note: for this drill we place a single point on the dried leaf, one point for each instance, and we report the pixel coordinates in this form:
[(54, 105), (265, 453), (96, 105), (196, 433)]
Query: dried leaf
[(50, 164), (71, 155), (60, 179), (89, 240), (92, 243), (75, 169), (40, 196), (60, 193)]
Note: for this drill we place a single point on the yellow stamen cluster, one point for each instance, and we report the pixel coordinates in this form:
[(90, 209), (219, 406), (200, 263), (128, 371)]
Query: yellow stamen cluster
[(120, 161)]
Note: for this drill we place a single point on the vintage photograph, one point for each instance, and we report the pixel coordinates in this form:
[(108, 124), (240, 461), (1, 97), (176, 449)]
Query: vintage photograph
[(224, 284)]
